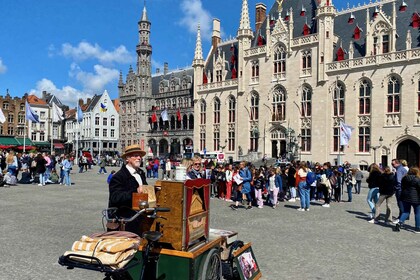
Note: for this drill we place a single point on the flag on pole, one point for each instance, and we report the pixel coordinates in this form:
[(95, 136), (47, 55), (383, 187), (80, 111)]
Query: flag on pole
[(30, 114), (57, 113), (79, 114), (164, 115), (2, 117), (154, 117), (178, 114), (345, 133)]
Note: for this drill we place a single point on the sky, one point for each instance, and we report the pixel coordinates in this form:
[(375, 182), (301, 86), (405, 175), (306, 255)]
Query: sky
[(77, 48)]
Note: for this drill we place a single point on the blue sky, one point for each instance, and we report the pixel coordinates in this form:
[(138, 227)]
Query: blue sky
[(76, 48)]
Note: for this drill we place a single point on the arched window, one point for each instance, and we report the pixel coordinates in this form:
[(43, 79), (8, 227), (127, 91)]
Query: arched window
[(185, 122), (364, 97), (255, 100), (191, 124), (173, 103), (216, 111), (338, 100), (280, 60), (255, 69), (203, 112), (173, 86), (279, 105), (173, 122), (306, 61), (393, 95), (232, 109), (306, 102)]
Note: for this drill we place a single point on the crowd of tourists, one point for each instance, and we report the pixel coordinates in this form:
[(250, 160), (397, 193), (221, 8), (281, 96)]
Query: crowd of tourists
[(34, 168), (305, 182)]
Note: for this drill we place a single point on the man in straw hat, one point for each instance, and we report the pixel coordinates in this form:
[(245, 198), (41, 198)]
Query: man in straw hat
[(128, 180)]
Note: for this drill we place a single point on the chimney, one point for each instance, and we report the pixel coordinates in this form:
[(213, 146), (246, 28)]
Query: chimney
[(88, 101), (260, 15), (80, 102), (215, 38), (157, 70), (165, 68), (44, 95)]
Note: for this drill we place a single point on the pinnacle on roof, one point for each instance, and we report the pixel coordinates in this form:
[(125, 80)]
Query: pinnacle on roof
[(245, 22), (198, 47), (144, 15)]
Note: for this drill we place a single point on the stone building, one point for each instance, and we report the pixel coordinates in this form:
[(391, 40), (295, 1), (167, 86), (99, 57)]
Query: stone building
[(282, 88), (146, 100), (98, 132)]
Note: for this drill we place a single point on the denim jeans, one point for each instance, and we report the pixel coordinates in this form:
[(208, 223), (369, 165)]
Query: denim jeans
[(399, 202), (292, 192), (41, 178), (406, 212), (358, 186), (350, 191), (372, 198), (304, 195), (67, 180), (102, 169)]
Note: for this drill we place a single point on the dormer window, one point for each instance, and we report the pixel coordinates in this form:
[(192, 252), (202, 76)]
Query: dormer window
[(351, 19), (403, 6), (356, 33), (287, 17), (376, 12), (306, 29), (415, 20), (303, 11), (340, 54), (161, 88), (172, 86), (218, 75)]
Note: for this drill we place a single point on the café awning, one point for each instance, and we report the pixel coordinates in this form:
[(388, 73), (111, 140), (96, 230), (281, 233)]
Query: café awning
[(10, 141), (28, 141), (58, 146)]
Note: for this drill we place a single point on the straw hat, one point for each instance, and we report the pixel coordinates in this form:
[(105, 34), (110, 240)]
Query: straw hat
[(133, 149)]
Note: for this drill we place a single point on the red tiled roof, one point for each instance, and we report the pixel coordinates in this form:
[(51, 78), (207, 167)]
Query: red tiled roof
[(33, 99)]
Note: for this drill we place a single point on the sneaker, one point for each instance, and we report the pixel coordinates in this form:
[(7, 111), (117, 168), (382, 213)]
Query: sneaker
[(234, 207), (326, 205), (372, 221), (260, 207), (229, 200), (292, 200), (301, 209), (397, 227), (417, 230), (297, 198), (274, 207), (61, 183), (307, 209), (396, 221), (39, 184), (249, 207)]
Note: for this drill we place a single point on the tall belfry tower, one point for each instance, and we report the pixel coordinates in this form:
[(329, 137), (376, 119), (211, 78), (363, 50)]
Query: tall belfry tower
[(136, 93)]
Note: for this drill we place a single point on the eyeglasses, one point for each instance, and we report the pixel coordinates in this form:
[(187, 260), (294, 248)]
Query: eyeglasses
[(135, 156), (197, 164)]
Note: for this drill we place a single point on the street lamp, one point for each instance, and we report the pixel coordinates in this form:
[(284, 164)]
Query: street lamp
[(292, 139), (376, 147), (299, 146)]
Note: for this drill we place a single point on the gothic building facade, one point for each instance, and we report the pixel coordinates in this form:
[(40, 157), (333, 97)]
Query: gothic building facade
[(156, 111), (282, 88)]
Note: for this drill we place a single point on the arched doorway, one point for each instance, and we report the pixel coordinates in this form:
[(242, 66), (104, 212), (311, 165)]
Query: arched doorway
[(278, 144), (163, 147), (409, 150), (153, 147)]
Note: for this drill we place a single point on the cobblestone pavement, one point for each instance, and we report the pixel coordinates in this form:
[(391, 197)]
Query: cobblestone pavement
[(37, 224)]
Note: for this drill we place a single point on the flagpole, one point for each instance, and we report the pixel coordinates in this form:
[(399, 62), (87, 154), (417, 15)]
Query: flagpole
[(77, 143), (52, 135), (24, 134)]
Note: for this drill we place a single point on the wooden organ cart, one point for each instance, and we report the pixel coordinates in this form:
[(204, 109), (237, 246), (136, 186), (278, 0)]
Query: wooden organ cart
[(187, 251)]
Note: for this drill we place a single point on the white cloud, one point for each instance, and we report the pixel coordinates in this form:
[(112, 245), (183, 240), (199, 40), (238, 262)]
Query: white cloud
[(194, 13), (3, 67), (86, 50), (94, 81), (67, 94)]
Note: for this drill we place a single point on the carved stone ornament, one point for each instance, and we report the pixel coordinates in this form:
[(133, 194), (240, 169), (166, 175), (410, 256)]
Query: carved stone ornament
[(364, 121)]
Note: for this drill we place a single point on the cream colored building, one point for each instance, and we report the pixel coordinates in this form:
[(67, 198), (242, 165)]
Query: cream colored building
[(282, 88)]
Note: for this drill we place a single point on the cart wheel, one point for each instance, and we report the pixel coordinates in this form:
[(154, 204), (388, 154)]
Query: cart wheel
[(233, 273), (212, 267)]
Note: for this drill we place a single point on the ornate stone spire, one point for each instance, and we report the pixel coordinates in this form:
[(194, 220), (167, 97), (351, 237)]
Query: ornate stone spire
[(198, 48), (144, 15), (120, 80), (245, 23)]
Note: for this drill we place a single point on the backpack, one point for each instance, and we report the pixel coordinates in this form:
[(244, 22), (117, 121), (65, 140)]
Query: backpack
[(333, 181), (310, 178)]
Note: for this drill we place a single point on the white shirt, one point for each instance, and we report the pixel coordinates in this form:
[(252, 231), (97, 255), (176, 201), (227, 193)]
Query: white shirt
[(136, 175)]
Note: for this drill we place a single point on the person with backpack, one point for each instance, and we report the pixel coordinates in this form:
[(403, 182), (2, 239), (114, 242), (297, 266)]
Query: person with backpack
[(303, 186)]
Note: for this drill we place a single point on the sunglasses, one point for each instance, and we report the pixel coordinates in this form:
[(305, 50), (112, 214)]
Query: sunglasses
[(197, 164)]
